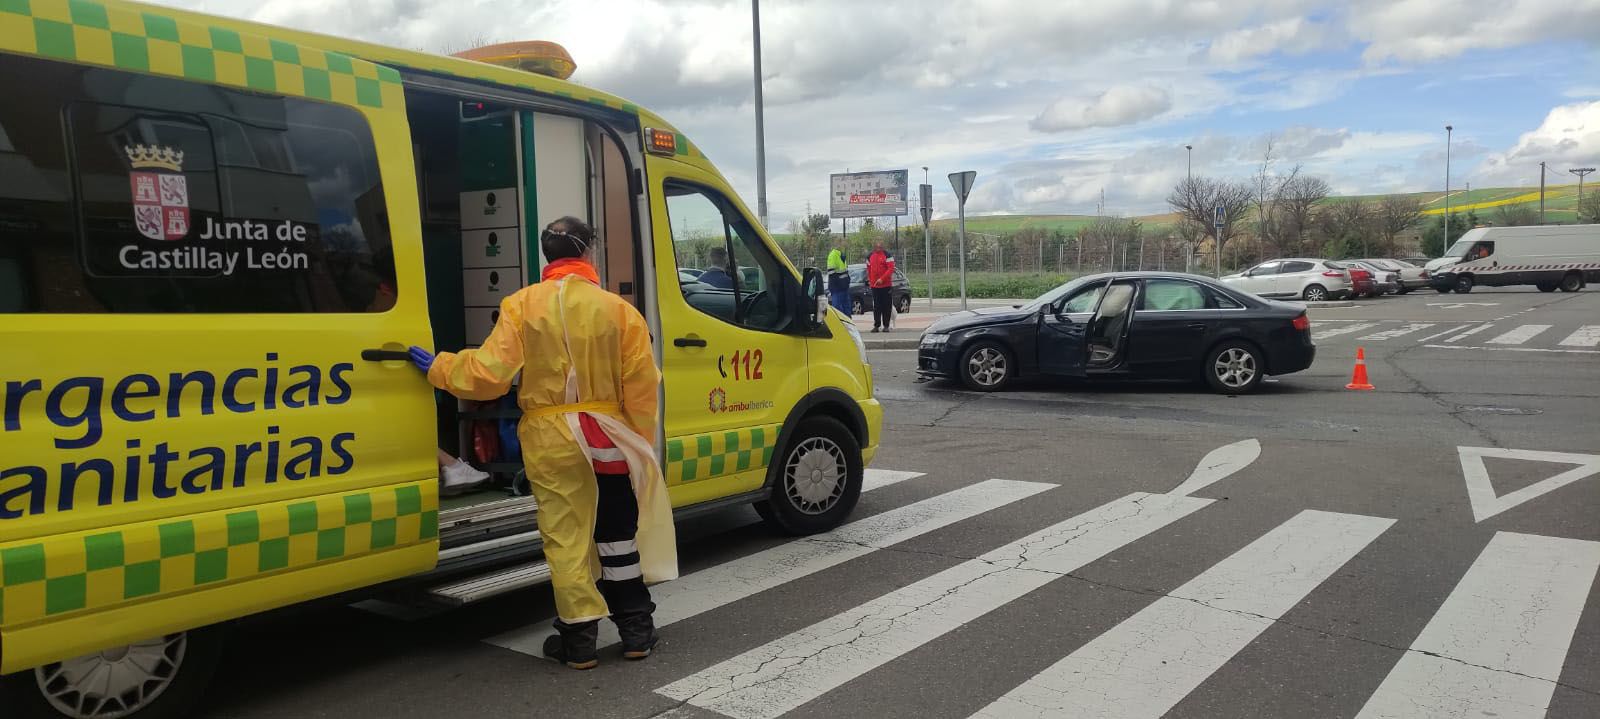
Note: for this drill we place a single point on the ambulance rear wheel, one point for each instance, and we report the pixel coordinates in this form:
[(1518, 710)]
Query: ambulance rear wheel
[(815, 481), (160, 678)]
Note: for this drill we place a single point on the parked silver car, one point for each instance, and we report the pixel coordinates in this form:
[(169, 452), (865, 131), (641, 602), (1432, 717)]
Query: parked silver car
[(1303, 278), (1412, 277), (1385, 279)]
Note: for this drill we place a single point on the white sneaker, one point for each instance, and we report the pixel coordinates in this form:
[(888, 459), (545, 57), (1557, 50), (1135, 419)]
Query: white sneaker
[(461, 476)]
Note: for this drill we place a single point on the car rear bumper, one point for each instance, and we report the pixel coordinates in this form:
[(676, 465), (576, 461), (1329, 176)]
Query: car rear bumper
[(1288, 358)]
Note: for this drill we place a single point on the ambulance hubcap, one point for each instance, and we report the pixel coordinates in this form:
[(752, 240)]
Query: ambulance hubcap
[(814, 480), (113, 683)]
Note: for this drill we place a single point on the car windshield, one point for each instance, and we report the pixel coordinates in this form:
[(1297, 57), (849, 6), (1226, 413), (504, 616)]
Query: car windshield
[(1458, 249), (1056, 294)]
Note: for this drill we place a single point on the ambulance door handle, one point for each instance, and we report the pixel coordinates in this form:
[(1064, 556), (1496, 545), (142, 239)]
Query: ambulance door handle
[(385, 355), (690, 341)]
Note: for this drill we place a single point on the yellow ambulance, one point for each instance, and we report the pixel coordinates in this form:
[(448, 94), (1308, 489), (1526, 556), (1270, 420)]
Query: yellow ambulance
[(217, 239)]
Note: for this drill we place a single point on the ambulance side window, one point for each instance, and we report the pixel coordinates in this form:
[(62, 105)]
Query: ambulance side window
[(124, 193), (724, 269)]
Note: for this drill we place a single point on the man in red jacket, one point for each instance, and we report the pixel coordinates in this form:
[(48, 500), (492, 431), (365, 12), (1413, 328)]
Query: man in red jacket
[(880, 277)]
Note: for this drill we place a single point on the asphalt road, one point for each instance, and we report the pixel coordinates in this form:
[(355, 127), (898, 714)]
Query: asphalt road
[(1149, 550)]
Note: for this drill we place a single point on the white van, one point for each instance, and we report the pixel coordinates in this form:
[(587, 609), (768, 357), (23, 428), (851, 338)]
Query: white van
[(1548, 256)]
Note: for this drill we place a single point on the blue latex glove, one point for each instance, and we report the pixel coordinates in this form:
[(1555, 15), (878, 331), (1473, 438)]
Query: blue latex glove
[(422, 358)]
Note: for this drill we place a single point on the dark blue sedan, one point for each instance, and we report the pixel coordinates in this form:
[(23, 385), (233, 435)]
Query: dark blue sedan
[(1126, 325)]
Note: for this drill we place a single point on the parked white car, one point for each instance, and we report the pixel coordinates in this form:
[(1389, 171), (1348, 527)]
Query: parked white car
[(1312, 280)]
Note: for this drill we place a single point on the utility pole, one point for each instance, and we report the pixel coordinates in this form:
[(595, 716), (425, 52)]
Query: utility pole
[(925, 199), (761, 130), (1189, 172), (1541, 193), (1580, 172)]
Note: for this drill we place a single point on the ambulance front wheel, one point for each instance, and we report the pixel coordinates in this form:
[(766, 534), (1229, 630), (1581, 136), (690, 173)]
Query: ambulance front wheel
[(816, 480), (160, 678)]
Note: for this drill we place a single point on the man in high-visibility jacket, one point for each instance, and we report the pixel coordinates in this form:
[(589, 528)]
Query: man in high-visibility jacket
[(588, 397), (838, 281)]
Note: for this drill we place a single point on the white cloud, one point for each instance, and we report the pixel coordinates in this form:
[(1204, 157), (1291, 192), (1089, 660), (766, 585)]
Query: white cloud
[(1425, 30), (1569, 136), (900, 83), (1121, 105), (1291, 35)]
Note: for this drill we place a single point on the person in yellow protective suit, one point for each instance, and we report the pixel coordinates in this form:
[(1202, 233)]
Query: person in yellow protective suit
[(588, 396)]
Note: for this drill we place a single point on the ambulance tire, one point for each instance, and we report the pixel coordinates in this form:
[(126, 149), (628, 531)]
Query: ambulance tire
[(791, 506), (23, 695)]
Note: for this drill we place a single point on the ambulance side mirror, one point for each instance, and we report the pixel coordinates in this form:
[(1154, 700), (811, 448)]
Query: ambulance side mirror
[(816, 300)]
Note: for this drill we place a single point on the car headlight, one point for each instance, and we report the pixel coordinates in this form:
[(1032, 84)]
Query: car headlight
[(934, 339), (855, 334)]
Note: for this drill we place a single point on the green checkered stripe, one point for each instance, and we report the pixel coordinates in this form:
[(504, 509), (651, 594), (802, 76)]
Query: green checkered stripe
[(86, 571), (719, 454), (143, 39)]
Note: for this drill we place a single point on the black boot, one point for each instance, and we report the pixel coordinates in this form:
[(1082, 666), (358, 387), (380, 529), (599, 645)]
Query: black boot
[(638, 630), (574, 644)]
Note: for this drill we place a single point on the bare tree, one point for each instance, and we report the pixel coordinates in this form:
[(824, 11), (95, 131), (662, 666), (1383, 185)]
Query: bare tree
[(1395, 215), (1589, 209), (1296, 197), (1194, 199), (1346, 228), (1112, 233)]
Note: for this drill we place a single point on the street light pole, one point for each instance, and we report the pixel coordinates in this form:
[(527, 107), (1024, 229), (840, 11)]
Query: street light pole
[(1448, 131), (926, 195), (761, 130), (1189, 172)]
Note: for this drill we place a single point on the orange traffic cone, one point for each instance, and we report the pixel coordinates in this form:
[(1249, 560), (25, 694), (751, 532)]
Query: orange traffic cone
[(1359, 379)]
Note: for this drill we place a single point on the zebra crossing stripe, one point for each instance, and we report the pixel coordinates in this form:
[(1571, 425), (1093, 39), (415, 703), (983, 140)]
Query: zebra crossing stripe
[(1470, 332), (1586, 336), (1497, 644), (1450, 331), (1347, 329), (781, 675), (1147, 664), (1397, 332), (879, 478), (1519, 335), (726, 583)]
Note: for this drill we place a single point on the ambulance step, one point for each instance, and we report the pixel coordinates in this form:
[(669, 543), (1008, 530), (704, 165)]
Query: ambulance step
[(477, 589), (470, 525)]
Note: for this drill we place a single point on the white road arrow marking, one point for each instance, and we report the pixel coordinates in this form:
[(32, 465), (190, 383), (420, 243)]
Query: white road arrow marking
[(1486, 504), (1219, 464)]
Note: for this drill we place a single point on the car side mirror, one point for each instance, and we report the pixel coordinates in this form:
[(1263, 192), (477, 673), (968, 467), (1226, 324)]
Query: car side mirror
[(816, 300)]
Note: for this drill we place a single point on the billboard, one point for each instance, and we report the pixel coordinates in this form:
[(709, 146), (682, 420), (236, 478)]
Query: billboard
[(867, 194)]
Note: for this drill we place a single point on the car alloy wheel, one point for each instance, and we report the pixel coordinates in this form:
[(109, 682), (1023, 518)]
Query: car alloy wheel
[(115, 683), (814, 479), (1316, 293), (987, 367), (1235, 368)]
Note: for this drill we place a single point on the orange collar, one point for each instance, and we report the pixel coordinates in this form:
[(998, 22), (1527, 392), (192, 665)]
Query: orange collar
[(570, 266)]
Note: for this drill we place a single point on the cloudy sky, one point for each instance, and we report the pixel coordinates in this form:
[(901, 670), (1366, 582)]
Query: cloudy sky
[(1053, 101)]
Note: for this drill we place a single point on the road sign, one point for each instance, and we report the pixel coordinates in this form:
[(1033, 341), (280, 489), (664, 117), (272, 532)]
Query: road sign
[(927, 203), (1486, 504), (1219, 216), (961, 182)]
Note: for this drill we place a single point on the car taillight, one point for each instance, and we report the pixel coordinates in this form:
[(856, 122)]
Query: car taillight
[(1333, 273), (1302, 323)]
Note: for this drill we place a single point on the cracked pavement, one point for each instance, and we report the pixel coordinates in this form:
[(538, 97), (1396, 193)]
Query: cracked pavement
[(1387, 454)]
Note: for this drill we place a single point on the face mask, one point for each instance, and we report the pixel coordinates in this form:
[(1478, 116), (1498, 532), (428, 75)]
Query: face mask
[(578, 242)]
